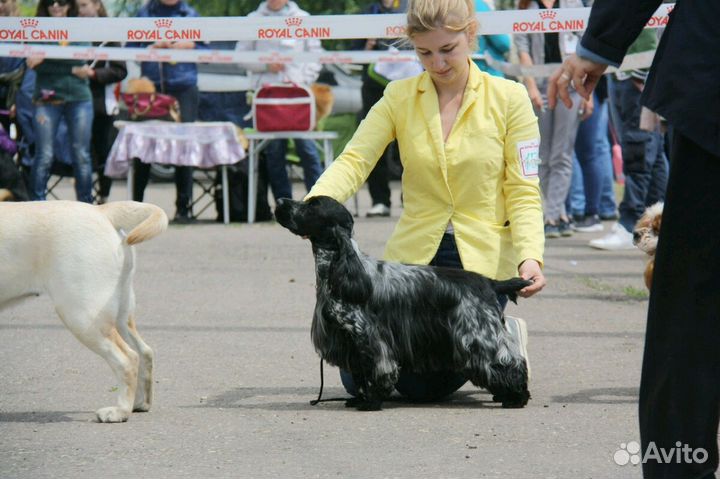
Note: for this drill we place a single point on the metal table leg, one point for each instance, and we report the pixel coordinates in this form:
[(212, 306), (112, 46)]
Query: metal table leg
[(131, 179), (251, 183), (226, 196)]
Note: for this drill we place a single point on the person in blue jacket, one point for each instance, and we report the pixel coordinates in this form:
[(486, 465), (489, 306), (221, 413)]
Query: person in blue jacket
[(180, 81), (495, 46)]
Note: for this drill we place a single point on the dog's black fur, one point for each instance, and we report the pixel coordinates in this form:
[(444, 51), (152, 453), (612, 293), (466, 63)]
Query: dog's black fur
[(374, 318)]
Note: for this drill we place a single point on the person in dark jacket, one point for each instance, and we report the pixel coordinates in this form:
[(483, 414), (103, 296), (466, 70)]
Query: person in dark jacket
[(372, 90), (679, 391), (59, 94), (103, 77), (180, 81)]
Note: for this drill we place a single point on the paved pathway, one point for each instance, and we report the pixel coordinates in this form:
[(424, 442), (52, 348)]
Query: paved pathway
[(227, 311)]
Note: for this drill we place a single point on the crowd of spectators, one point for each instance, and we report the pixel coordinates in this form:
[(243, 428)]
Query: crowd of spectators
[(62, 112)]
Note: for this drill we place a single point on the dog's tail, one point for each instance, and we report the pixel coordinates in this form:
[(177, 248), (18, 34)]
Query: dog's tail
[(510, 287), (141, 221)]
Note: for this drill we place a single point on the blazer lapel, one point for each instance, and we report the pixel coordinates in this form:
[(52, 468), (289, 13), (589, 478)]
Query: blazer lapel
[(471, 91), (431, 113)]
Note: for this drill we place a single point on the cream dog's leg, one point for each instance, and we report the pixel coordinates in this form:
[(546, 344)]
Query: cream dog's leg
[(104, 339), (144, 393), (124, 363), (128, 331)]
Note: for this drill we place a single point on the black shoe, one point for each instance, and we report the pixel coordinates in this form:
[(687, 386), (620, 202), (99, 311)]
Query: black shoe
[(591, 224), (183, 218), (614, 216), (565, 228), (552, 231)]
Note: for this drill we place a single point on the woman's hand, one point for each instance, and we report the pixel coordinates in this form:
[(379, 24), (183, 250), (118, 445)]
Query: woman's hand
[(530, 270), (160, 44), (83, 72)]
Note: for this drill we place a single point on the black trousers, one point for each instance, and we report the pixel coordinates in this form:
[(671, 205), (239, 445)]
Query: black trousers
[(188, 99), (103, 135), (379, 180), (680, 387)]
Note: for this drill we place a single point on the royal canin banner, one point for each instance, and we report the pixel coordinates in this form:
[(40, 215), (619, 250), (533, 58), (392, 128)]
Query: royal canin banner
[(639, 60), (323, 27), (200, 56)]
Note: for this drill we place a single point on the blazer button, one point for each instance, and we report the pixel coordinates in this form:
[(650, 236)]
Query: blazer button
[(450, 208)]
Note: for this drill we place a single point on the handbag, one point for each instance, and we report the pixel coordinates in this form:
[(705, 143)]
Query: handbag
[(147, 106), (283, 107)]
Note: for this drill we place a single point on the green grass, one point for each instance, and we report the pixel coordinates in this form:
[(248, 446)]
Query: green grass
[(621, 292)]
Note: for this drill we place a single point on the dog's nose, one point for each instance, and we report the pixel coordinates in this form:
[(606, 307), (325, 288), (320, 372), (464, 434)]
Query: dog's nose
[(636, 237)]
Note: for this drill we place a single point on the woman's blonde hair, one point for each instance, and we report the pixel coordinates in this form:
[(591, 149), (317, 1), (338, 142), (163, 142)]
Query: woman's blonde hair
[(428, 15)]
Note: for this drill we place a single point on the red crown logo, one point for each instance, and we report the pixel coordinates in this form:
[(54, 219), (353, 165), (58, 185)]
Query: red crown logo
[(548, 14), (293, 21), (29, 23), (163, 23)]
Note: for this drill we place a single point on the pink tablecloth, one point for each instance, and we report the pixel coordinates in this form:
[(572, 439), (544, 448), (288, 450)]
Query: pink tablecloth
[(199, 144)]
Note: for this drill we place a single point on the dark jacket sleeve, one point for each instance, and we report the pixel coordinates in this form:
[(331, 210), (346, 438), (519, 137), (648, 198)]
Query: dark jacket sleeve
[(110, 72), (614, 25)]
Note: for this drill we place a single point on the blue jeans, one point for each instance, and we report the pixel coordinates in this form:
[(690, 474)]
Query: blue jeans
[(276, 164), (591, 190), (434, 385), (645, 165), (78, 116)]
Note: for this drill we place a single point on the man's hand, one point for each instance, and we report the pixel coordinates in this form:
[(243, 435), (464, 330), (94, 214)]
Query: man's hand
[(582, 73), (535, 96), (530, 269), (32, 62)]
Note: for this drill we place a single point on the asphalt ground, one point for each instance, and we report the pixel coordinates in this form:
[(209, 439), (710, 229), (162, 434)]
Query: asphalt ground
[(227, 310)]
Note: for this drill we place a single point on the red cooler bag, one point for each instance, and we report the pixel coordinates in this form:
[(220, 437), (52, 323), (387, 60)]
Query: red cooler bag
[(283, 107)]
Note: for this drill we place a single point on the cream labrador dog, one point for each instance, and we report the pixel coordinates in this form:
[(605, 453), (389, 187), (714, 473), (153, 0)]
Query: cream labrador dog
[(82, 256)]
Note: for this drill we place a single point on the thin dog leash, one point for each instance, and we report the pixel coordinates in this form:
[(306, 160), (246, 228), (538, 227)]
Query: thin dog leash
[(319, 399)]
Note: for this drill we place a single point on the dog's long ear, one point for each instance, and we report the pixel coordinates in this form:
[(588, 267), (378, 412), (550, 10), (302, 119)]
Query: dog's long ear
[(348, 279)]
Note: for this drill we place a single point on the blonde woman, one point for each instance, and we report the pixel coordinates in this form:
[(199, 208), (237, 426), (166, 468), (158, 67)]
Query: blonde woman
[(469, 147)]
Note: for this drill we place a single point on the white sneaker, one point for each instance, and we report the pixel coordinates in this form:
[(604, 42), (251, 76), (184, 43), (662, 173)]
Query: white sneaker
[(378, 209), (618, 239), (518, 329)]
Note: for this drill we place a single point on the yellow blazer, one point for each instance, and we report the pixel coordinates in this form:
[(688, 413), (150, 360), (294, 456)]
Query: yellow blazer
[(478, 180)]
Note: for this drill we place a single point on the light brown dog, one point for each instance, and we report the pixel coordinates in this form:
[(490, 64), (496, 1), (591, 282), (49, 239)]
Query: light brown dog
[(645, 237), (5, 194), (140, 85), (82, 257), (324, 100)]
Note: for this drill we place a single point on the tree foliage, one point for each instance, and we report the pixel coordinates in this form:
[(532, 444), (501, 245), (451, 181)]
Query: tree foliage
[(219, 8), (233, 8)]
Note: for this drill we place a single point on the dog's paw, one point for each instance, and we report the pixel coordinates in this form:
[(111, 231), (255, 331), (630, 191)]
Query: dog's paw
[(369, 406), (512, 400), (354, 402), (142, 407), (112, 414)]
